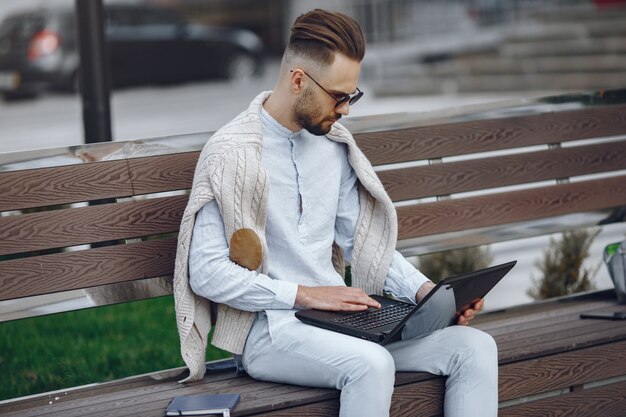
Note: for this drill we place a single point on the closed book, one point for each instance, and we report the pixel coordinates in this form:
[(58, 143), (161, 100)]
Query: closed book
[(202, 404)]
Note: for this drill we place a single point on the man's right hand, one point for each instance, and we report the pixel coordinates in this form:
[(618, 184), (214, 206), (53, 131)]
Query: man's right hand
[(334, 298)]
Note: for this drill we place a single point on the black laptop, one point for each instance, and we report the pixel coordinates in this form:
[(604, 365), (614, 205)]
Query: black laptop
[(440, 308)]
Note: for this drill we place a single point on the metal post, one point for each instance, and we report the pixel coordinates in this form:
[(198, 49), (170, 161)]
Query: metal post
[(94, 71)]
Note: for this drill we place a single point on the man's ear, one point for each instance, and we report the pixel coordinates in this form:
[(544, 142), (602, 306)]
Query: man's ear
[(296, 84)]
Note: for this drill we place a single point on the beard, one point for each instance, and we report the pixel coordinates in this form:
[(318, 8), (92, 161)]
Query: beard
[(309, 115)]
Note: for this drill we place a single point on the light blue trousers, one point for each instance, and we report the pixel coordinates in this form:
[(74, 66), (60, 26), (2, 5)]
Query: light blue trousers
[(300, 354)]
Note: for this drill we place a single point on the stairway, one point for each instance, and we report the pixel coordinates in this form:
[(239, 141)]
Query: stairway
[(560, 49)]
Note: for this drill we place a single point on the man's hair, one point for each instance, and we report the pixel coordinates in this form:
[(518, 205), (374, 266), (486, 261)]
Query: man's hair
[(318, 34)]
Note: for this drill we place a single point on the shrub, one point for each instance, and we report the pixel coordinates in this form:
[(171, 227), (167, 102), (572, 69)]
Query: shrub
[(561, 266)]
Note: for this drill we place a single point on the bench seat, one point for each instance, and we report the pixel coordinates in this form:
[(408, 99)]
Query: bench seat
[(550, 359)]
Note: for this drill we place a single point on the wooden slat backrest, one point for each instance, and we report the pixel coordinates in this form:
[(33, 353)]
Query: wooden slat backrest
[(33, 241), (510, 207), (87, 268), (142, 213), (162, 173), (461, 138), (63, 185), (500, 171), (83, 225), (43, 187)]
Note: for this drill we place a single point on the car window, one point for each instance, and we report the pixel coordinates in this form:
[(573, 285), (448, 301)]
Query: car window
[(128, 16), (21, 27), (142, 23)]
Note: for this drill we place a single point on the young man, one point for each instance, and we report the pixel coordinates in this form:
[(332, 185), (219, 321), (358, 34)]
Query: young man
[(281, 194)]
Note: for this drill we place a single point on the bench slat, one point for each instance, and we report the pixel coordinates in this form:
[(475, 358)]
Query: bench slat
[(63, 185), (163, 173), (77, 226), (480, 174), (556, 372), (88, 268), (407, 401), (605, 401), (579, 340), (461, 138), (536, 317), (533, 313), (503, 208), (516, 343)]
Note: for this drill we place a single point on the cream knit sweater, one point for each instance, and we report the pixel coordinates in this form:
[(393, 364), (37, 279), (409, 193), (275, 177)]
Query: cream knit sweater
[(229, 171)]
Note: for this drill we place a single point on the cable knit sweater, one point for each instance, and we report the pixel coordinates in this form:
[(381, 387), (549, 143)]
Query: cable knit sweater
[(229, 171)]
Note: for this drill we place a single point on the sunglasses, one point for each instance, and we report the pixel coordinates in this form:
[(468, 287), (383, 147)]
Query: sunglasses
[(351, 99)]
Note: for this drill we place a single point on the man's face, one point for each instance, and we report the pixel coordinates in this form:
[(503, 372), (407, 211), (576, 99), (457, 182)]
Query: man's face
[(315, 109)]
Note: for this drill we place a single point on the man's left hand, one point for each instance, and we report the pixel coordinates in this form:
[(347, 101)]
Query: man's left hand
[(465, 317), (468, 315)]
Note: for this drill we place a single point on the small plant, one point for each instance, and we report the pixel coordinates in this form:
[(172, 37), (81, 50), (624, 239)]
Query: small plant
[(454, 262), (561, 266)]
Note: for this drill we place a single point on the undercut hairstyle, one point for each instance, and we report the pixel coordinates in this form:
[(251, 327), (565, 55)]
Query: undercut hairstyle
[(319, 34)]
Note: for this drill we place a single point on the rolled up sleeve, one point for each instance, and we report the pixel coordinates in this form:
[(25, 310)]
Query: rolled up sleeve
[(403, 279)]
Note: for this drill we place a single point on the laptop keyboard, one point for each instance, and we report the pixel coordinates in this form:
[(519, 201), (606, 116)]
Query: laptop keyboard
[(371, 319)]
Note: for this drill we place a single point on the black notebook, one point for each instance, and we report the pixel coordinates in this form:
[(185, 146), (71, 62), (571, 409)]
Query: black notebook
[(202, 404)]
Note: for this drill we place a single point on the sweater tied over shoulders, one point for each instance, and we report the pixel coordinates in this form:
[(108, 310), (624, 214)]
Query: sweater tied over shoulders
[(229, 171)]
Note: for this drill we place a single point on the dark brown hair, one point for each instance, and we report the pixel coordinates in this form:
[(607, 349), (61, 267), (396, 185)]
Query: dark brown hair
[(319, 33)]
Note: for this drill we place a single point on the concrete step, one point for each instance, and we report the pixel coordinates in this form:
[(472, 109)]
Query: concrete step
[(494, 65), (536, 30), (498, 83), (562, 49), (585, 46), (584, 13)]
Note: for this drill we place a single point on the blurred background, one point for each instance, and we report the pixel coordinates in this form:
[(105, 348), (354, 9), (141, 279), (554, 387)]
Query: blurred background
[(188, 66)]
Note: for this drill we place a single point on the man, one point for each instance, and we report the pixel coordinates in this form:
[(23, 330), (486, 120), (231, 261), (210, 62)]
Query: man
[(280, 195)]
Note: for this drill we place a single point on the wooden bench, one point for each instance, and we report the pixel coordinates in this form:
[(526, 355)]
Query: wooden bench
[(455, 178)]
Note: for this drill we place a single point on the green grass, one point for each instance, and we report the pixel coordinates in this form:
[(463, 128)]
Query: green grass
[(93, 345)]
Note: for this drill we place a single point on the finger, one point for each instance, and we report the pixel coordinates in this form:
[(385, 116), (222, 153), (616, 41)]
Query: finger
[(362, 298), (478, 306), (353, 307), (469, 315), (373, 303)]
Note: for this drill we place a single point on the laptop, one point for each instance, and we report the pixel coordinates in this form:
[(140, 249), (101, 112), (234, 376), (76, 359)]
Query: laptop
[(439, 309)]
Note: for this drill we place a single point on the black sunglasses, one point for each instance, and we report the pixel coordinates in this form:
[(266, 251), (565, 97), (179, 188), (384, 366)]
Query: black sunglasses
[(351, 99)]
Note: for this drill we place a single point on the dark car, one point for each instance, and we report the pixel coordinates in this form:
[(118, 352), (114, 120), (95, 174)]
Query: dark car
[(147, 45)]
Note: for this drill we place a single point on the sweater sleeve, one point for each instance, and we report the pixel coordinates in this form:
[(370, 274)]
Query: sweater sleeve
[(214, 276)]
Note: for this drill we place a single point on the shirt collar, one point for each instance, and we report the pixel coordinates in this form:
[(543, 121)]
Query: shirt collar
[(272, 124)]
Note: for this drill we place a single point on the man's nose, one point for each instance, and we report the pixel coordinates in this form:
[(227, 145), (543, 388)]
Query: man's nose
[(343, 109)]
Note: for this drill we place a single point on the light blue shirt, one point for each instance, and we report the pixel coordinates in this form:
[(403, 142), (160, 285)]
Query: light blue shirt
[(313, 202)]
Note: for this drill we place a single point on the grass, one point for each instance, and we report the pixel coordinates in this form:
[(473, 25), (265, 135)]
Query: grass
[(93, 345)]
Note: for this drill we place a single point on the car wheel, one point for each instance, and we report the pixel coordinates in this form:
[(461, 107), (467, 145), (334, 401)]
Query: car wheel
[(242, 67)]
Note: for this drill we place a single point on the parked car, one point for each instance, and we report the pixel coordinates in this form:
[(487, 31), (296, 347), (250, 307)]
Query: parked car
[(147, 45)]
